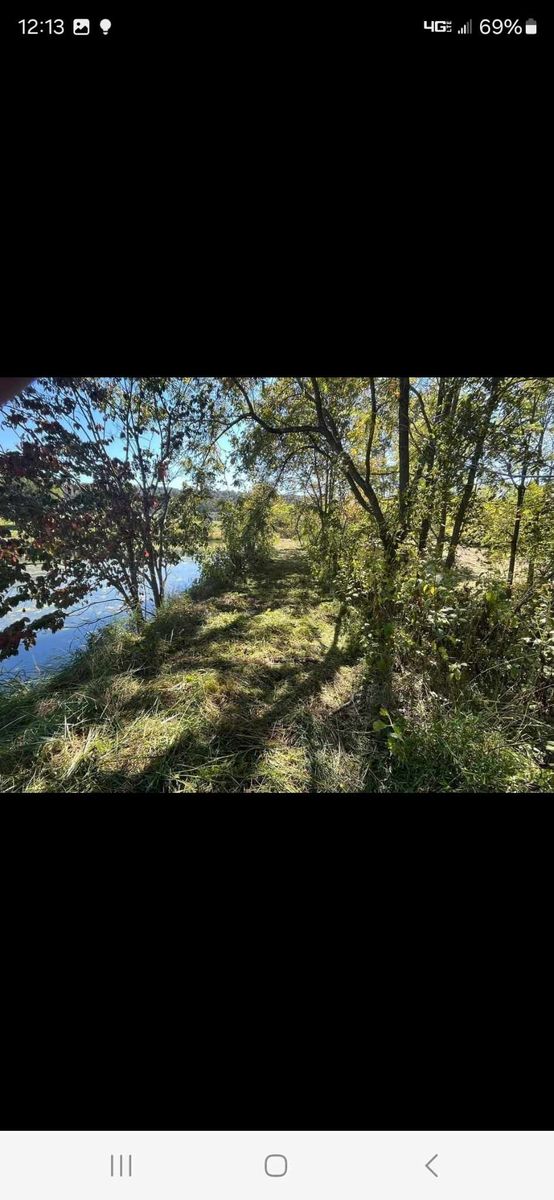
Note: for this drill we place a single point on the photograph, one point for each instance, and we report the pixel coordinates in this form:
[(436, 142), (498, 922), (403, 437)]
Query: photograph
[(277, 585)]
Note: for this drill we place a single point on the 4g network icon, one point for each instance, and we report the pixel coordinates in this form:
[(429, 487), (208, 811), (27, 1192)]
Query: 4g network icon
[(498, 26), (446, 27)]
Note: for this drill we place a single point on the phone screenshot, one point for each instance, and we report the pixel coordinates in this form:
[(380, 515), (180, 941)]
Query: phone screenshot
[(267, 584)]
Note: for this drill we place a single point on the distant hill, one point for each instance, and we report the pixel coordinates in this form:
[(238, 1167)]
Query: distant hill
[(215, 495)]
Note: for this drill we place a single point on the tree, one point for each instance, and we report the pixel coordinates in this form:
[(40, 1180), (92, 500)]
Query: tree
[(403, 447), (338, 420), (483, 412), (27, 477), (315, 484), (109, 452), (411, 451), (247, 528), (329, 414), (441, 400), (526, 451)]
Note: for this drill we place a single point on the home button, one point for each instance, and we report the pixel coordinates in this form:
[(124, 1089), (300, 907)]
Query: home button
[(276, 1164)]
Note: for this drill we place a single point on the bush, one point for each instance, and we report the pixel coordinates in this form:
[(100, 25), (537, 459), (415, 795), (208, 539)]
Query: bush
[(246, 529), (283, 517), (464, 752), (476, 635), (338, 544), (217, 571)]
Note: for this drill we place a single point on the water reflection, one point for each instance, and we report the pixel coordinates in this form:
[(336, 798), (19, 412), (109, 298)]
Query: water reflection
[(89, 614)]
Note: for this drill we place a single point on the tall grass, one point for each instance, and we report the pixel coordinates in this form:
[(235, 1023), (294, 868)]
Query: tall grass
[(257, 688)]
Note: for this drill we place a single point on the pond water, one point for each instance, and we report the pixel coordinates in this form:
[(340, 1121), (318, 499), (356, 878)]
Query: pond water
[(91, 613)]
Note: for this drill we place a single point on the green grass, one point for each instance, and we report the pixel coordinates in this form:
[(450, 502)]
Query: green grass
[(252, 690), (217, 694)]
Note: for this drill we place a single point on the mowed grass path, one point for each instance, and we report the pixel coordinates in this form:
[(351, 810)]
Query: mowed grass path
[(233, 692)]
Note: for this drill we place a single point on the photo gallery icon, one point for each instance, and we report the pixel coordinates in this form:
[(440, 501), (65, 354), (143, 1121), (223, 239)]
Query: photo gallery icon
[(81, 25)]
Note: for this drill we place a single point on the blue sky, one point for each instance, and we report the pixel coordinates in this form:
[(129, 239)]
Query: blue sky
[(10, 439)]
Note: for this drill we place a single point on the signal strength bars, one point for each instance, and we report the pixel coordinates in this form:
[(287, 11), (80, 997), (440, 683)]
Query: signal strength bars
[(466, 28)]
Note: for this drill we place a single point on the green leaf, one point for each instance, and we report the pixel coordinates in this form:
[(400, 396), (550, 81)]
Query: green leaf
[(378, 725), (384, 713)]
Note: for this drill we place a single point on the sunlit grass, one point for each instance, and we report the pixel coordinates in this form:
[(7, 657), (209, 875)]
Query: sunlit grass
[(190, 704), (251, 690)]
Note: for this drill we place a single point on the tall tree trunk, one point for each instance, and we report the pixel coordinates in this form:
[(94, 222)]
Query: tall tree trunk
[(385, 636), (449, 405), (424, 534), (515, 534), (383, 660), (536, 525), (430, 495), (430, 478), (467, 493), (133, 573), (441, 537), (403, 446)]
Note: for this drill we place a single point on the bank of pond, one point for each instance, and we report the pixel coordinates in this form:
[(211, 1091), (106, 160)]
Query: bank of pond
[(99, 608)]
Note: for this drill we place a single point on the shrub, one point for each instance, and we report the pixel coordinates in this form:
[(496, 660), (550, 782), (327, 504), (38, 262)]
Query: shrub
[(283, 517), (246, 529), (464, 752)]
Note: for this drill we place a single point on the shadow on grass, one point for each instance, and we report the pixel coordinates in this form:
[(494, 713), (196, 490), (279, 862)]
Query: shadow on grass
[(255, 697), (237, 747)]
